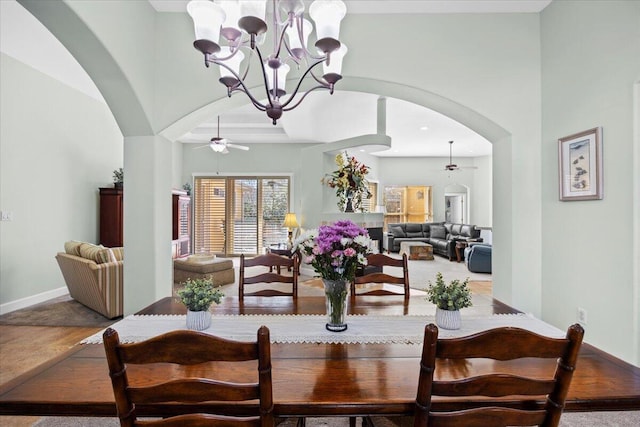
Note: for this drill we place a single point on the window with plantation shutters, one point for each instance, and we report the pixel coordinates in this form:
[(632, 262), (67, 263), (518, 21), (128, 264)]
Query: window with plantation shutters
[(235, 215)]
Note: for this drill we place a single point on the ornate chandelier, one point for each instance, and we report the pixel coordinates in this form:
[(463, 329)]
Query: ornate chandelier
[(233, 18)]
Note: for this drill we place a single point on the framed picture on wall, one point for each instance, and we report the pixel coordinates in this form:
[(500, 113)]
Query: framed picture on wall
[(580, 166)]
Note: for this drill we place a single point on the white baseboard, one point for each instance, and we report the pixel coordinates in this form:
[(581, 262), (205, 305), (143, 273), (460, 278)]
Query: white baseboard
[(32, 300)]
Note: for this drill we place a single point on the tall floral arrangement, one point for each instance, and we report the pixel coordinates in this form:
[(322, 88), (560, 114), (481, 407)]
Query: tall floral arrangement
[(349, 181), (336, 250)]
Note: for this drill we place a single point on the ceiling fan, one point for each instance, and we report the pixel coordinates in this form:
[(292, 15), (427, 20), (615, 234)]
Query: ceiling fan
[(219, 145), (452, 166)]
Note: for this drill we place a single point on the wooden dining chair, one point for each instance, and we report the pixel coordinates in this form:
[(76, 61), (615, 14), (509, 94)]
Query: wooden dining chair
[(382, 278), (187, 393), (547, 381), (268, 260)]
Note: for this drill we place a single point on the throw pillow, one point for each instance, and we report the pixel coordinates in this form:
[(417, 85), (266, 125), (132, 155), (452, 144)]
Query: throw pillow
[(118, 253), (397, 231), (96, 253), (438, 232), (72, 247)]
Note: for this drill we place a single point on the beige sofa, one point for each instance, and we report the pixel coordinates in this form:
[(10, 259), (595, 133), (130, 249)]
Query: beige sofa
[(93, 275)]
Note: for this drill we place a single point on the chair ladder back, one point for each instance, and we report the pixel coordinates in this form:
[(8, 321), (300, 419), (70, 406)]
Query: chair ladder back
[(172, 385), (501, 344), (382, 260), (268, 260)]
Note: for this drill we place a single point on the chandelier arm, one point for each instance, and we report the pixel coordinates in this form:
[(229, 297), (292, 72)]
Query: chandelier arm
[(264, 77), (323, 86), (277, 45), (293, 95)]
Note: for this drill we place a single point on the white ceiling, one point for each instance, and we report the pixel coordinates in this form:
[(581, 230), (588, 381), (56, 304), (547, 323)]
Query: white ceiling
[(414, 130)]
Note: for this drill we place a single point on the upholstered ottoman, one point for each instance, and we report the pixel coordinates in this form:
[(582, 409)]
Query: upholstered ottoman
[(220, 271)]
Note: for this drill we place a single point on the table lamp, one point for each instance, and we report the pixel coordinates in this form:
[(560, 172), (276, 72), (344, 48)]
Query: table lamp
[(291, 222)]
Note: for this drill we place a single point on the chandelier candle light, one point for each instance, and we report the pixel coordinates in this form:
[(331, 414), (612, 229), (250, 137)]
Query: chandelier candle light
[(230, 18)]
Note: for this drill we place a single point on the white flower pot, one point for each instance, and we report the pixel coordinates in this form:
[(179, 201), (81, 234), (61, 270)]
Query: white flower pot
[(448, 319), (198, 320)]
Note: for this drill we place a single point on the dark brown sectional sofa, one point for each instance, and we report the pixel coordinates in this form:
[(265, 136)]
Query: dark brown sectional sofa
[(441, 235)]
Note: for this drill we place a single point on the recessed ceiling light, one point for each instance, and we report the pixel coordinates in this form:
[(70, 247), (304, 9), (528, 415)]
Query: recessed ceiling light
[(424, 128)]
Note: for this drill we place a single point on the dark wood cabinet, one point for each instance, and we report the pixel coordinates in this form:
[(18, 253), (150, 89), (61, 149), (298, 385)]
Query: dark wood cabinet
[(181, 243), (111, 214), (111, 220)]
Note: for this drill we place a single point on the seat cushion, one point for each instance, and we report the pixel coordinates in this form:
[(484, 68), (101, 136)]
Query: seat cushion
[(203, 267)]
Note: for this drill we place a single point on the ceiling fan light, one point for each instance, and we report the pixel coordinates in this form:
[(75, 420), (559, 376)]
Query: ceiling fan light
[(217, 147), (327, 15), (207, 19)]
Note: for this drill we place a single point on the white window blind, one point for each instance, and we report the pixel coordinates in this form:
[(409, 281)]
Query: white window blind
[(234, 215)]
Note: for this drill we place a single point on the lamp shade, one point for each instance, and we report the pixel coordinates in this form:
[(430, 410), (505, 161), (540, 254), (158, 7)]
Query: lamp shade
[(281, 74), (292, 35), (255, 8), (232, 10), (335, 60), (327, 15), (207, 19), (233, 62), (290, 220)]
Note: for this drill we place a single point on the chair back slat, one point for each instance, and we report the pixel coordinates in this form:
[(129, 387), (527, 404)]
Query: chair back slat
[(488, 417), (271, 261), (195, 390), (170, 377), (550, 383)]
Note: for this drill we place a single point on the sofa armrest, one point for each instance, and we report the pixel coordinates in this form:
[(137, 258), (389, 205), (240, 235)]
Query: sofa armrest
[(98, 286), (110, 282)]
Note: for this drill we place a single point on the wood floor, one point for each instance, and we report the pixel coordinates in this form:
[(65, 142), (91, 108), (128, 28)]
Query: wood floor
[(25, 347)]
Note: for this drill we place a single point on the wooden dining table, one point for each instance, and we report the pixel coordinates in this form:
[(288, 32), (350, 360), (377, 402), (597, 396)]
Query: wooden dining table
[(319, 379)]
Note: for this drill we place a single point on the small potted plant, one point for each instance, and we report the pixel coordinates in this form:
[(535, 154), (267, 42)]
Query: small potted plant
[(449, 299), (198, 295), (187, 187), (118, 178)]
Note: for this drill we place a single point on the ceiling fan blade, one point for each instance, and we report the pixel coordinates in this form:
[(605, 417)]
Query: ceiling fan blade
[(201, 146), (240, 147)]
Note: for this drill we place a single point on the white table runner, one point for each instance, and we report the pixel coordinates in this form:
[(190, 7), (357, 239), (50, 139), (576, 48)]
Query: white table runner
[(311, 328)]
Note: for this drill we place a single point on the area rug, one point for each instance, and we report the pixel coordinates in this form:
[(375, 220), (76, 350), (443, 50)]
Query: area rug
[(570, 419), (61, 311)]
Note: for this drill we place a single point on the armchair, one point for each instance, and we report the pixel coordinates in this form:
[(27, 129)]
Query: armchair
[(478, 258)]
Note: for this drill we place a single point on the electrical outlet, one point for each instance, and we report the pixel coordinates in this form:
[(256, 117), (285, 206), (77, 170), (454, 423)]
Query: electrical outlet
[(582, 316)]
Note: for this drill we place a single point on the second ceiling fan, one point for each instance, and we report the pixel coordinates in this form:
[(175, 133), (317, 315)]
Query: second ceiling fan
[(219, 145), (452, 166)]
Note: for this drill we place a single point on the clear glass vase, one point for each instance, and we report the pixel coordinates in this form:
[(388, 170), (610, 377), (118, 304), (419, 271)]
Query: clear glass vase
[(336, 292)]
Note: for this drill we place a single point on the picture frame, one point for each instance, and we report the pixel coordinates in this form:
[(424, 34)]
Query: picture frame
[(580, 173)]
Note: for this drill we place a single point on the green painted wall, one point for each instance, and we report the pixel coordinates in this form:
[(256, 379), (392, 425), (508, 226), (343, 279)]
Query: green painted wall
[(590, 63), (57, 147)]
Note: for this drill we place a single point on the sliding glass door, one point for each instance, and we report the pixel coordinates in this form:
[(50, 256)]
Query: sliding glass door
[(239, 215)]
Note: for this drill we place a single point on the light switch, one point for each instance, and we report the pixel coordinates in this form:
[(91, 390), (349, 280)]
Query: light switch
[(7, 216)]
